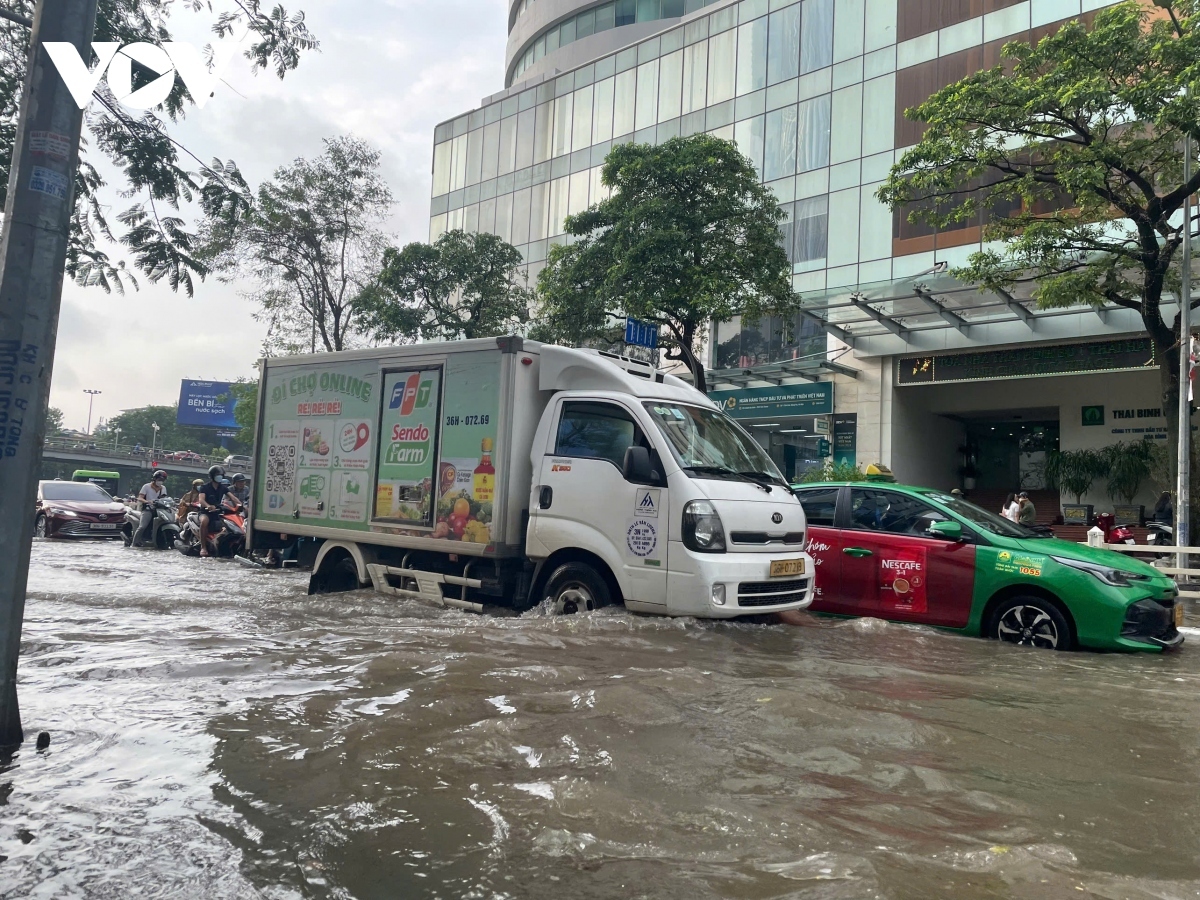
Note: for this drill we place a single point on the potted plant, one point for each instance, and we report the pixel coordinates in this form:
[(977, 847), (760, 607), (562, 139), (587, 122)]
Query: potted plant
[(1075, 471), (969, 474), (1128, 466)]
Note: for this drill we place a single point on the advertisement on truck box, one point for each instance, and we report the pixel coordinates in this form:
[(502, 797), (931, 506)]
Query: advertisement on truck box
[(318, 439)]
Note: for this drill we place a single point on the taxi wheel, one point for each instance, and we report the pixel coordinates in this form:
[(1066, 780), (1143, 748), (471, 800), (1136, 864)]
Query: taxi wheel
[(575, 588), (1031, 622)]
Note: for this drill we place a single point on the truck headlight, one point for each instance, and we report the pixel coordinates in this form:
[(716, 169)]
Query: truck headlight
[(702, 529), (1106, 574)]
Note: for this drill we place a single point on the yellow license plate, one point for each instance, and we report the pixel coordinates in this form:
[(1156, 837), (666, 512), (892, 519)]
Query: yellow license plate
[(1178, 613), (781, 567)]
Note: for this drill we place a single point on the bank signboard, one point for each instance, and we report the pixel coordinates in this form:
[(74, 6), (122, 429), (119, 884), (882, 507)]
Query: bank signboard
[(778, 401), (208, 404), (1027, 362)]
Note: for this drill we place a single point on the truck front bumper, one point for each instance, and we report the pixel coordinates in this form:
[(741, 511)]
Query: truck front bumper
[(698, 582)]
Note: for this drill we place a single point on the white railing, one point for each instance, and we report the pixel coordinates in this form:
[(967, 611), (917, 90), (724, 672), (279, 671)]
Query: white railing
[(1177, 573)]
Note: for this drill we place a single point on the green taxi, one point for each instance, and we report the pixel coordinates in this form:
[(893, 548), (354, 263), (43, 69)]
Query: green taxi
[(911, 554)]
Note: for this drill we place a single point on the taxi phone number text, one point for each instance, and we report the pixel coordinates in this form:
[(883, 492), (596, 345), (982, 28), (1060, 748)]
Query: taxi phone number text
[(467, 420)]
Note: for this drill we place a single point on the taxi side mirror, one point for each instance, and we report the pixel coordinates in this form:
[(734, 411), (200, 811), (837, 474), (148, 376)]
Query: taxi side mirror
[(950, 531)]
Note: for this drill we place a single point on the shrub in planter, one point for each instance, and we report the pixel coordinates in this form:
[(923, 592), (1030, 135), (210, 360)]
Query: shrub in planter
[(1075, 471)]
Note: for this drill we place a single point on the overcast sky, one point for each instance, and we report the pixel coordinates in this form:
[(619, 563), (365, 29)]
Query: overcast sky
[(387, 72)]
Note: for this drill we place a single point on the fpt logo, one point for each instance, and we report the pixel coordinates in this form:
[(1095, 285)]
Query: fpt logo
[(410, 394), (166, 61)]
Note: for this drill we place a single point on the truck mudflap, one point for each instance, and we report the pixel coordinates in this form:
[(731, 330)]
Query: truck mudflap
[(414, 584)]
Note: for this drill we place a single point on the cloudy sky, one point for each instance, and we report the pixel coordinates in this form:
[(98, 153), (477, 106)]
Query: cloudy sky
[(387, 72)]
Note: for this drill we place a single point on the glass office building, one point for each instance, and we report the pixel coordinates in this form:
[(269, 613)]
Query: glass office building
[(814, 93)]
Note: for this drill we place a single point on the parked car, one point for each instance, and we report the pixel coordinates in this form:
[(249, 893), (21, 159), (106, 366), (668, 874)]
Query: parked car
[(238, 461), (911, 554), (186, 456), (76, 509)]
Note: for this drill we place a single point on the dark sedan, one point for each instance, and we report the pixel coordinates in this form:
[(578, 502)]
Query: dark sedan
[(75, 509)]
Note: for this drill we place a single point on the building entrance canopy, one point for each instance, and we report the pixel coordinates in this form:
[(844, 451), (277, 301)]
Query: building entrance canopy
[(935, 310)]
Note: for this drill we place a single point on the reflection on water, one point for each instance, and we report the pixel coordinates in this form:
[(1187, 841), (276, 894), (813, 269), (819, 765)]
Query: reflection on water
[(216, 733)]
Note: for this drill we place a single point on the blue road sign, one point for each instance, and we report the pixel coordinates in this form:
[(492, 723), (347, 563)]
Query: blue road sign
[(641, 334)]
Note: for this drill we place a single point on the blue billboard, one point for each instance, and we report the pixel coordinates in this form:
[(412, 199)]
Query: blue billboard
[(208, 404)]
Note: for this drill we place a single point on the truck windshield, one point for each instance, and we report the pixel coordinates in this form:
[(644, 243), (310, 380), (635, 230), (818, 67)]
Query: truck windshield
[(981, 518), (708, 443)]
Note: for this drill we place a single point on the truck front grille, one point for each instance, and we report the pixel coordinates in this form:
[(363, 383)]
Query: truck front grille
[(763, 538), (771, 593)]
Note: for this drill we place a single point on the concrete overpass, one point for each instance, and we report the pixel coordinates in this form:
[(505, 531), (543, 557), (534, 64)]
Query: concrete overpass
[(133, 467)]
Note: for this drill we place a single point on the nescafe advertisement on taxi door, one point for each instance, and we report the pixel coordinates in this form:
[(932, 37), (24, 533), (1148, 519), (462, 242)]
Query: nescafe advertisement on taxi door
[(902, 580)]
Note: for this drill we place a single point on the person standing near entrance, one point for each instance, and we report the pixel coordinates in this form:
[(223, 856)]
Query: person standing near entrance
[(1028, 516), (1011, 509)]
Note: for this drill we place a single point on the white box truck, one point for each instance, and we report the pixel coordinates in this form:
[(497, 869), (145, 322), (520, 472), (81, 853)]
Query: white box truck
[(506, 472)]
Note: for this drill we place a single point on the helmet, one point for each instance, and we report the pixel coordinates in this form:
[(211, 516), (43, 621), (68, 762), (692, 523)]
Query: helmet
[(216, 472), (238, 477), (224, 482), (160, 475), (197, 482)]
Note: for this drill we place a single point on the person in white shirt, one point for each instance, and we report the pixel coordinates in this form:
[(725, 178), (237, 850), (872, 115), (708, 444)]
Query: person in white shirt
[(1012, 509), (153, 490)]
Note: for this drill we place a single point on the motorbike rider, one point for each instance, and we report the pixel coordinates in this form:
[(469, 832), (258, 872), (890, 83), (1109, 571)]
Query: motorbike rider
[(154, 489), (187, 501), (211, 495), (241, 489)]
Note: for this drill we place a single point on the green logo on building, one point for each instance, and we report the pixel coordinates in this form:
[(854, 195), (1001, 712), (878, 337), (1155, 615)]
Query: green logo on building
[(1093, 415)]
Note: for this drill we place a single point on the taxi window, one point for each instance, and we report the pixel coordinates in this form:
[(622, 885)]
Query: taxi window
[(820, 505), (892, 513)]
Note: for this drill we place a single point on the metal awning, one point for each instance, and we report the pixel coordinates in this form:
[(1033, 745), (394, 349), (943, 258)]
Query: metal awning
[(780, 373)]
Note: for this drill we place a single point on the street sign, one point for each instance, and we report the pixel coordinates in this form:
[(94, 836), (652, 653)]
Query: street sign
[(821, 426), (823, 449), (641, 334)]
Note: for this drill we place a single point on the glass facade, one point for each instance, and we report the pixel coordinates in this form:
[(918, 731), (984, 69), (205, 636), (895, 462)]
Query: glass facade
[(813, 91)]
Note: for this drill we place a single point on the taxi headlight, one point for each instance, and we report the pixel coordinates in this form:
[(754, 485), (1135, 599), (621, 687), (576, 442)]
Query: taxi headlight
[(702, 529), (1106, 574)]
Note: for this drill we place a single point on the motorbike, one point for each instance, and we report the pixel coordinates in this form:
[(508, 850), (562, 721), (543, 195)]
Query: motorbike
[(227, 537), (163, 529), (1114, 533), (1162, 534)]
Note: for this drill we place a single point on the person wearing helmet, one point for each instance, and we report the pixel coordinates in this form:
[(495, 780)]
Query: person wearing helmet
[(241, 489), (211, 495), (154, 489), (187, 501)]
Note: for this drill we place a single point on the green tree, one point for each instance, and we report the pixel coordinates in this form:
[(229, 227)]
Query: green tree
[(245, 413), (687, 237), (309, 239), (1069, 153), (54, 421), (137, 427), (159, 173), (462, 286)]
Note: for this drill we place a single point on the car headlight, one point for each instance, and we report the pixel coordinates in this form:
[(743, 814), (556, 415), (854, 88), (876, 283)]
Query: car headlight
[(702, 529), (66, 513), (1107, 574)]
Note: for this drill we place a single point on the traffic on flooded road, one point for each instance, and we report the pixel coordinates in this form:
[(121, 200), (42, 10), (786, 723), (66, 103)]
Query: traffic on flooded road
[(217, 732)]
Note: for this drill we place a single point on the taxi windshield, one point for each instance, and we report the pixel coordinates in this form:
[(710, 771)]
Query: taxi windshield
[(980, 517), (708, 443)]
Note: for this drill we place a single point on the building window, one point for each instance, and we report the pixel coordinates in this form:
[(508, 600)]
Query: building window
[(783, 45), (816, 35), (810, 224)]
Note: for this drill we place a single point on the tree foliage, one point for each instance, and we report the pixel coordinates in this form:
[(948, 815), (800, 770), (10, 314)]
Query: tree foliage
[(137, 428), (245, 413), (462, 286), (687, 236), (157, 172), (54, 421), (1070, 153), (310, 239)]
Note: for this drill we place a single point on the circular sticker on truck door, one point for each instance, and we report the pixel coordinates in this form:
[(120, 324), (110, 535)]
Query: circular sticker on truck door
[(642, 538)]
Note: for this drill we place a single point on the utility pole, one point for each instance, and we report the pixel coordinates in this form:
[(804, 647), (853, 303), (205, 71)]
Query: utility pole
[(91, 399), (33, 252)]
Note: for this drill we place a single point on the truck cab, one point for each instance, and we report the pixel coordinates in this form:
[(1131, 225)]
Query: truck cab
[(642, 480)]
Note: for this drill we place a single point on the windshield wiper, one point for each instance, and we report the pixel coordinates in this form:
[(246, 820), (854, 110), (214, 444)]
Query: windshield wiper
[(723, 470), (766, 478)]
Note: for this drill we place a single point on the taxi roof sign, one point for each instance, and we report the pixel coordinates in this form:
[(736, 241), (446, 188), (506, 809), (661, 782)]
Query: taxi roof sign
[(879, 473)]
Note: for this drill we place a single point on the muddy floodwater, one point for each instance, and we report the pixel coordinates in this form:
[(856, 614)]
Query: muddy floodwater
[(216, 733)]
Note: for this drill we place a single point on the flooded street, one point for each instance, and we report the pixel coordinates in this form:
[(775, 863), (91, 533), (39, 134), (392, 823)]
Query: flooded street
[(217, 733)]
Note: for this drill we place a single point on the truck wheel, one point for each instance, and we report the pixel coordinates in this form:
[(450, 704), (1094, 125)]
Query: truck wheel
[(338, 578), (577, 587), (1031, 622)]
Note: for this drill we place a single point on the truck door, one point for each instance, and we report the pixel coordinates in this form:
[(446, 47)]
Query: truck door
[(581, 499)]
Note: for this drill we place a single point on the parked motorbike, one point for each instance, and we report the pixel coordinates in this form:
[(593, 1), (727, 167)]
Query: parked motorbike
[(1161, 534), (163, 529), (1114, 533), (227, 536)]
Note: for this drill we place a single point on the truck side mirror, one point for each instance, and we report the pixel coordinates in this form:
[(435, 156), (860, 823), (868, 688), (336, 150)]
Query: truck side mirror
[(637, 467)]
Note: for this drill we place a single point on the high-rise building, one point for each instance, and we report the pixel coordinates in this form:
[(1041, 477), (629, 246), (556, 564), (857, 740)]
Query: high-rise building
[(947, 383)]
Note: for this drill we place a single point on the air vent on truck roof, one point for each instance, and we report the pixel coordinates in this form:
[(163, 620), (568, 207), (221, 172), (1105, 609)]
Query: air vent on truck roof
[(634, 366)]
